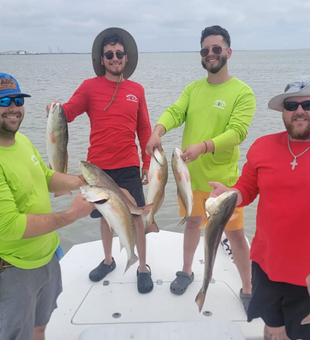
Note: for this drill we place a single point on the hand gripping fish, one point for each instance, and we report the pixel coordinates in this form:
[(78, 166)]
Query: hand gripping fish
[(157, 177), (57, 138), (117, 214), (96, 177), (220, 210), (183, 181)]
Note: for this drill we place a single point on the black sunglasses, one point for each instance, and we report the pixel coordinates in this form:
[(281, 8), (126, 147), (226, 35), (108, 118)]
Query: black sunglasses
[(293, 106), (6, 101), (110, 54), (217, 49)]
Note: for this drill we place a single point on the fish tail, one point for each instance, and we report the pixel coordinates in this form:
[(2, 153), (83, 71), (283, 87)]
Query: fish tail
[(200, 299), (306, 320), (151, 227), (183, 221), (131, 261)]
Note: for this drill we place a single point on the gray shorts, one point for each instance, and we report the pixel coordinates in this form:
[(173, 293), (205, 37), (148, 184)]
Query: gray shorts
[(27, 299)]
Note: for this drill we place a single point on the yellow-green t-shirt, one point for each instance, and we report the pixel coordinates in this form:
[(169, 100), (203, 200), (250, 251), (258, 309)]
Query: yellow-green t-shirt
[(221, 113), (24, 182)]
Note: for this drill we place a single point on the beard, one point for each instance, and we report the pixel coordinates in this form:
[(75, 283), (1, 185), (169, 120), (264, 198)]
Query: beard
[(116, 72), (8, 130), (215, 69), (297, 133)]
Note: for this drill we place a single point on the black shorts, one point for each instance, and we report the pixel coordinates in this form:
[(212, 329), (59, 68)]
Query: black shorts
[(129, 179), (279, 304)]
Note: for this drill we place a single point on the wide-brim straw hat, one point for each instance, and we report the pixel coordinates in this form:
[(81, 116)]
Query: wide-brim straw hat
[(298, 87), (130, 48)]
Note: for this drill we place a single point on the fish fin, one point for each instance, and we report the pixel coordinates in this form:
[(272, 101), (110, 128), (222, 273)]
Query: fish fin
[(121, 246), (130, 198), (183, 221), (146, 209), (179, 176), (187, 176), (159, 175), (204, 223), (66, 164), (134, 258), (306, 320), (62, 193), (151, 228), (200, 299), (52, 137)]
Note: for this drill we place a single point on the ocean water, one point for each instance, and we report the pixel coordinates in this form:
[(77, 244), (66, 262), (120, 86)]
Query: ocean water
[(163, 75)]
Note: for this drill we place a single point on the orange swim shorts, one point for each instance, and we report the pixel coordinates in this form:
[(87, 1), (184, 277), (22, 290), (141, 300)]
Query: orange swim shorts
[(200, 197)]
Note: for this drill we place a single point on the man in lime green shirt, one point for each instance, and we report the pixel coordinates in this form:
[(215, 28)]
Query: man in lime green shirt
[(30, 280), (217, 112)]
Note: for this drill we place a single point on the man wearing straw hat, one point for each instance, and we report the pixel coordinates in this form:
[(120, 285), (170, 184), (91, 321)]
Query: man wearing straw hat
[(117, 111), (277, 169)]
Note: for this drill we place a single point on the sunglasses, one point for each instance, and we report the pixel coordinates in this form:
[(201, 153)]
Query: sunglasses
[(119, 55), (215, 49), (7, 101), (293, 106)]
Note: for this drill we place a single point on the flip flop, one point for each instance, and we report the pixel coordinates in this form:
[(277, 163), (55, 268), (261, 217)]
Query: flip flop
[(144, 281), (245, 299), (102, 271), (181, 282)]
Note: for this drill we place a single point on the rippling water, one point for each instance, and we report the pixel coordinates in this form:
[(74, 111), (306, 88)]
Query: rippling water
[(163, 75)]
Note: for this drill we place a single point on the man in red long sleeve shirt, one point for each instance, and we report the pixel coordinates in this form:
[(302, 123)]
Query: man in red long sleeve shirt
[(117, 111), (277, 169)]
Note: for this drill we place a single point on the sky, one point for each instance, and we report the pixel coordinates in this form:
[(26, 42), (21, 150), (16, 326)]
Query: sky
[(156, 25)]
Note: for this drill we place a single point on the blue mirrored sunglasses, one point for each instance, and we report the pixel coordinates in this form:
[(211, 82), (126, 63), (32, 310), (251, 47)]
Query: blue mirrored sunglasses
[(6, 101)]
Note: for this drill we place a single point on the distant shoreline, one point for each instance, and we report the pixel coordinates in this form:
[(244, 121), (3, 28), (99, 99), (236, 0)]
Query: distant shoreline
[(23, 54)]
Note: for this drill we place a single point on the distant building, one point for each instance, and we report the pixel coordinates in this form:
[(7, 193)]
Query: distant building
[(15, 52)]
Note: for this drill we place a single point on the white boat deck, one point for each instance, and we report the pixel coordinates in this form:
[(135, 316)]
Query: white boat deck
[(113, 309)]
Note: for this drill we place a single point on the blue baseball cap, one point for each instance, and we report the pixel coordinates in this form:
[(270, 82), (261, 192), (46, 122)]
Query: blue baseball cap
[(10, 87)]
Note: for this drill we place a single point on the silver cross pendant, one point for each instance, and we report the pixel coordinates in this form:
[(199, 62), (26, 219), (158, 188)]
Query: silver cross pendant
[(294, 163)]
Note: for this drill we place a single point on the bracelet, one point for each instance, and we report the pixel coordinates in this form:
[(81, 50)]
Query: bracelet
[(206, 147)]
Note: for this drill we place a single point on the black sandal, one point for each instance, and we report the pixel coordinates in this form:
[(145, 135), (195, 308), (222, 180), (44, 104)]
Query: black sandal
[(179, 285), (102, 271), (144, 282)]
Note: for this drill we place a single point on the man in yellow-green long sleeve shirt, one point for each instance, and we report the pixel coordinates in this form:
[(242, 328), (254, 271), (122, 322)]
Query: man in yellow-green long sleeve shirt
[(217, 112), (30, 279)]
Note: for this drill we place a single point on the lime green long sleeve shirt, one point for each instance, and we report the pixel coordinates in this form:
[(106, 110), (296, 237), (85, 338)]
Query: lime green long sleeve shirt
[(221, 113), (24, 182)]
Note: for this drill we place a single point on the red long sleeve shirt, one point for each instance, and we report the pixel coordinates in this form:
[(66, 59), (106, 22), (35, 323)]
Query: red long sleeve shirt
[(281, 242), (113, 132)]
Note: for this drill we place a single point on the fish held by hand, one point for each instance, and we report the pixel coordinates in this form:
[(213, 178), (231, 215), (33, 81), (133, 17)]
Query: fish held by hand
[(183, 182), (220, 209), (157, 178), (116, 212)]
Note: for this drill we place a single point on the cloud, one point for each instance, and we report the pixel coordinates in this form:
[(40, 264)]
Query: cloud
[(160, 25)]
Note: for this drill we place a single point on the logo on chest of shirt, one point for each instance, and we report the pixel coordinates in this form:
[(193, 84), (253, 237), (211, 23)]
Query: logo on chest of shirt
[(132, 98), (220, 104), (34, 159)]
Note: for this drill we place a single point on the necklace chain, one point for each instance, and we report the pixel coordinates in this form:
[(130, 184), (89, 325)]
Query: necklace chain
[(294, 163)]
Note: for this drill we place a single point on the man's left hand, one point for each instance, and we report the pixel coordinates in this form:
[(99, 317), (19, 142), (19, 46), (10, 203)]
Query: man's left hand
[(308, 283), (192, 152)]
